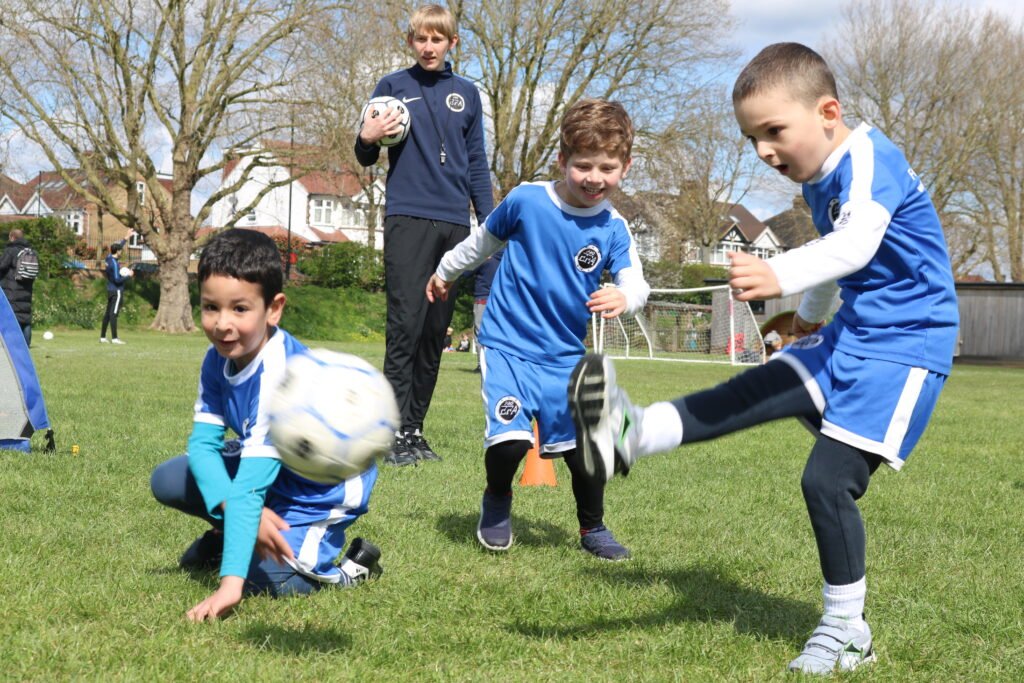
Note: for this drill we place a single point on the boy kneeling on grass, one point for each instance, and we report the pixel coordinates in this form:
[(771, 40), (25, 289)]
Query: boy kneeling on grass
[(273, 531)]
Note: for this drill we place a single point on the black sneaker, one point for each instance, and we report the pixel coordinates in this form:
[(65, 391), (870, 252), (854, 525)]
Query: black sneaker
[(419, 446), (599, 542), (205, 552), (361, 561), (400, 455)]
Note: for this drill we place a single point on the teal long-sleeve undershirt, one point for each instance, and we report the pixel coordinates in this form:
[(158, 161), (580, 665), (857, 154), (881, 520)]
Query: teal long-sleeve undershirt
[(242, 497)]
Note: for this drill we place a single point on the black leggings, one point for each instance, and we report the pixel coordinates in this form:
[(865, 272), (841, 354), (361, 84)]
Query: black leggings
[(502, 460), (835, 477), (113, 308)]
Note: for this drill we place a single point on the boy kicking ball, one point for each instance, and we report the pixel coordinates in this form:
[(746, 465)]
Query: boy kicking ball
[(561, 236), (273, 531), (866, 382)]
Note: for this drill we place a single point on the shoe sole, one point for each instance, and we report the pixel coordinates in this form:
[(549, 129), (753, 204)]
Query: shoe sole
[(588, 377)]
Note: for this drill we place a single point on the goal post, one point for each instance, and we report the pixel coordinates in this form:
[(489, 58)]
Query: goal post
[(697, 325)]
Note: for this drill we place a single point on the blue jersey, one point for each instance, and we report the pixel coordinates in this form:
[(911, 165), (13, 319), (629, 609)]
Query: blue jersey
[(537, 308), (901, 306), (240, 401)]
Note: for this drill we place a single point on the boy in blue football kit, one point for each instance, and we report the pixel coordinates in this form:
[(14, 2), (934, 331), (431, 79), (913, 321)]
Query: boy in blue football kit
[(867, 381), (433, 177), (561, 236), (273, 531)]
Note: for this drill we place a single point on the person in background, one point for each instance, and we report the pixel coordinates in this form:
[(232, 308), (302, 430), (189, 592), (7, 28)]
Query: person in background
[(117, 278), (17, 290)]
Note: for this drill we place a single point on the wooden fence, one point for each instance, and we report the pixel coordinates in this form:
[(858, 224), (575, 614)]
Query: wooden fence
[(991, 320)]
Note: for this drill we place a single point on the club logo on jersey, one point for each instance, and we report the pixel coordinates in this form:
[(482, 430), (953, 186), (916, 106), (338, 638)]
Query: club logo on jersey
[(587, 258), (808, 342), (455, 102), (833, 209), (506, 409)]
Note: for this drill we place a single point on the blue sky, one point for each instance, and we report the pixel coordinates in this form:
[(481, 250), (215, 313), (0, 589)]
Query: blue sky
[(762, 22)]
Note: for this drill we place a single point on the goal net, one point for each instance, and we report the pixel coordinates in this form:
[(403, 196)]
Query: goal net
[(700, 325)]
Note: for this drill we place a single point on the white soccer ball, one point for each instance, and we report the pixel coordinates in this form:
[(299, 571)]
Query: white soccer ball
[(125, 271), (47, 335), (377, 106), (332, 416)]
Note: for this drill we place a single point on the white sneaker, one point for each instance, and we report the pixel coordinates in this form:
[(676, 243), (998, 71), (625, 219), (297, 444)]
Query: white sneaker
[(607, 424), (835, 645), (104, 340), (115, 340)]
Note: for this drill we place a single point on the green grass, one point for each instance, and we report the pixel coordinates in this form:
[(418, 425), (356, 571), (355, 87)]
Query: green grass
[(724, 584)]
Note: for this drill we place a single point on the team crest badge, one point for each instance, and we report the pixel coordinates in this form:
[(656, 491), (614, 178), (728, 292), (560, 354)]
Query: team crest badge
[(808, 342), (587, 258), (455, 102), (833, 209), (506, 409)]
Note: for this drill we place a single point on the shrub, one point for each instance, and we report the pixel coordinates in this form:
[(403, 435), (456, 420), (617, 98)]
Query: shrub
[(50, 237), (349, 264)]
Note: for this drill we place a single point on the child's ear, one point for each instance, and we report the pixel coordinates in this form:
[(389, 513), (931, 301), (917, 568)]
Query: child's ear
[(275, 309), (830, 111)]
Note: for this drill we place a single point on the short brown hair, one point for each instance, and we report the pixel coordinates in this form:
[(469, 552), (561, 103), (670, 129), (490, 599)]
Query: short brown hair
[(795, 67), (592, 125), (433, 18)]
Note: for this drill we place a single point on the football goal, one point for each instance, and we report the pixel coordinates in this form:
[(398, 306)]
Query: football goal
[(700, 325)]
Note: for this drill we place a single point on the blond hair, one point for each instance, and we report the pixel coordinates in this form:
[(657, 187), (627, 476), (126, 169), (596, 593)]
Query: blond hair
[(432, 18), (797, 68), (592, 125)]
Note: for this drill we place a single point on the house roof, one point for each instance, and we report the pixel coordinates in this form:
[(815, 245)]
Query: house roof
[(56, 194), (328, 177), (794, 226), (330, 235), (737, 215)]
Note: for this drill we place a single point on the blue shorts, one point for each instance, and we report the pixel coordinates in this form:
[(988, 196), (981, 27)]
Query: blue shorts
[(874, 405), (516, 392)]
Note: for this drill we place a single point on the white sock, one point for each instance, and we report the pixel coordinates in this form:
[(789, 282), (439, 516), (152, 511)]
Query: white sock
[(846, 602), (661, 429)]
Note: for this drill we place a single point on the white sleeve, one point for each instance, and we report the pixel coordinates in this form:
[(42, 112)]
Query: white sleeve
[(818, 301), (634, 287), (468, 254), (859, 230)]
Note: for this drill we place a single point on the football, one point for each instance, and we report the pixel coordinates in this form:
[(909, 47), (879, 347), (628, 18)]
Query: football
[(377, 106), (125, 271), (332, 416)]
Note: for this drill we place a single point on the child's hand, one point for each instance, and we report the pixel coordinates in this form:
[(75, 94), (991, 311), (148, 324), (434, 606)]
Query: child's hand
[(752, 278), (437, 289), (270, 544), (608, 301), (220, 604), (801, 328), (376, 127)]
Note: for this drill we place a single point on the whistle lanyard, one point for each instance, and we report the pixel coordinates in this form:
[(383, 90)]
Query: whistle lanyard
[(440, 132)]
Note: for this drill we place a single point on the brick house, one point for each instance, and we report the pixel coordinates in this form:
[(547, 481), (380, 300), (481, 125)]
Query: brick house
[(48, 194)]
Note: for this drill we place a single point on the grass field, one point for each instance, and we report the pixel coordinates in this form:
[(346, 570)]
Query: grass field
[(724, 584)]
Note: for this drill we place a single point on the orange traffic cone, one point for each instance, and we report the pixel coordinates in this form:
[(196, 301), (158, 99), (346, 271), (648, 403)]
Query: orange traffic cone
[(538, 471)]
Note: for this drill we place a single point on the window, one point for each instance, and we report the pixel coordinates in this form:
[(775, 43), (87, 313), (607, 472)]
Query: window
[(140, 188), (136, 240), (74, 221), (323, 211), (251, 216)]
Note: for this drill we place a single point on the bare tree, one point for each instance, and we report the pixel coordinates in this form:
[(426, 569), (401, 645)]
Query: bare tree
[(996, 174), (534, 58), (912, 68), (700, 162), (96, 83), (339, 86)]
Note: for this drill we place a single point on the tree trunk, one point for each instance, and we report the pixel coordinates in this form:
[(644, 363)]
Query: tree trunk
[(174, 313)]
